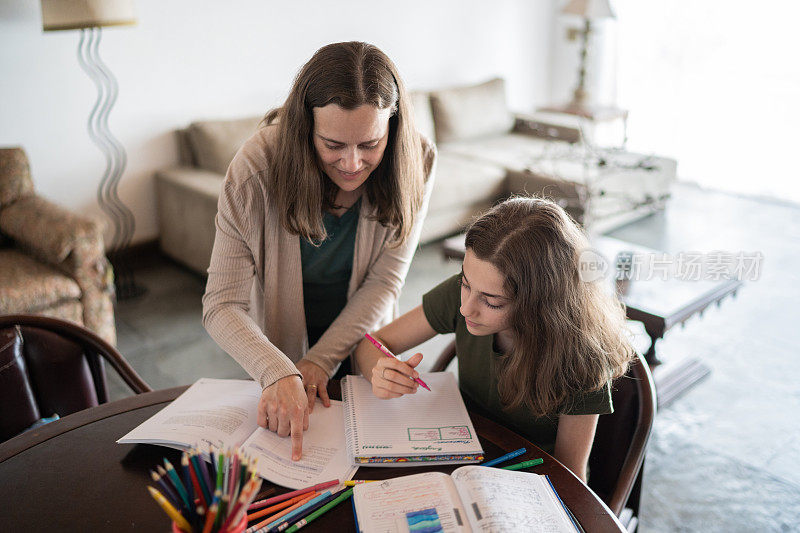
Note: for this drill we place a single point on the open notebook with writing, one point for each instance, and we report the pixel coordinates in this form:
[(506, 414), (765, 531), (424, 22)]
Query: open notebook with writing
[(472, 498), (415, 429), (222, 413)]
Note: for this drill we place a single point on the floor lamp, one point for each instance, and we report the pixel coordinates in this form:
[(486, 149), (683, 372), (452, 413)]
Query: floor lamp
[(90, 16), (589, 10)]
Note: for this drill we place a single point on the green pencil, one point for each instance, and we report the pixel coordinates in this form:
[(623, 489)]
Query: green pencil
[(220, 471), (523, 464), (321, 511)]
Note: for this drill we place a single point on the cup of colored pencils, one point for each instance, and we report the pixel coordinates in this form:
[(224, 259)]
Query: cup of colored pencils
[(203, 496)]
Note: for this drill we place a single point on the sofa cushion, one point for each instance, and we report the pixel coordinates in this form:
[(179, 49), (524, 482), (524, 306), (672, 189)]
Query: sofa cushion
[(421, 101), (215, 142), (471, 112), (27, 286), (15, 175)]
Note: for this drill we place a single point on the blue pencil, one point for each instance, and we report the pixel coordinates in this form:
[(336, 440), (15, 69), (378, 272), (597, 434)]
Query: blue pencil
[(297, 511), (504, 458), (306, 511)]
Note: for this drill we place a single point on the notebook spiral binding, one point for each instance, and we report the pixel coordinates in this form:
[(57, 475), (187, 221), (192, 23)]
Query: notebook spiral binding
[(350, 427)]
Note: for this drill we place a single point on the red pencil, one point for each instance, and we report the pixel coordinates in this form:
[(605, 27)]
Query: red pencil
[(276, 499), (387, 353)]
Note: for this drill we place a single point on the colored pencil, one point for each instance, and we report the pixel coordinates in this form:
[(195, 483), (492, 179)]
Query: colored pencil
[(388, 353), (240, 508), (279, 514), (210, 518), (292, 494), (321, 511), (187, 480), (274, 508), (166, 489), (197, 489), (176, 482), (504, 458), (291, 516), (523, 464), (220, 472), (354, 482), (202, 476), (170, 510), (305, 511)]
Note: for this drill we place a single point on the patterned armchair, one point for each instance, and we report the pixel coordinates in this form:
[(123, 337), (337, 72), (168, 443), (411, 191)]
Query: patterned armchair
[(52, 262)]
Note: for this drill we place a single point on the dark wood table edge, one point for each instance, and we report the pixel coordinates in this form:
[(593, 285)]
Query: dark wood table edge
[(488, 430), (34, 437)]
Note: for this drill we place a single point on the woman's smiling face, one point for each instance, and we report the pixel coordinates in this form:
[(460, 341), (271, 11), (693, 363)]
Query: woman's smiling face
[(350, 142)]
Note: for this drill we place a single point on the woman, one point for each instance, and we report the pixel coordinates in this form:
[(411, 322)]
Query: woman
[(317, 223)]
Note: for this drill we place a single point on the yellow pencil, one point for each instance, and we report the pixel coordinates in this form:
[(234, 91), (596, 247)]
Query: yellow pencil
[(170, 510), (354, 482)]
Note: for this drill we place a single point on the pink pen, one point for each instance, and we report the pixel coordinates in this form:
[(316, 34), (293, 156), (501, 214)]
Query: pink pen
[(387, 353)]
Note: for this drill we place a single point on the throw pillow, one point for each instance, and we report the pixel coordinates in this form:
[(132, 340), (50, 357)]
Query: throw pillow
[(469, 112)]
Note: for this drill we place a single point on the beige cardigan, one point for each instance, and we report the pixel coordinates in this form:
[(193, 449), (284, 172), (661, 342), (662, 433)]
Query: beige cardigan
[(253, 304)]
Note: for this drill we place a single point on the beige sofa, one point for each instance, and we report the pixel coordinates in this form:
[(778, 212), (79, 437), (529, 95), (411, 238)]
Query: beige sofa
[(485, 153)]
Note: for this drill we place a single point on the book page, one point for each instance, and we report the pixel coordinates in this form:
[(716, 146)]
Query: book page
[(213, 412), (324, 457), (426, 423), (502, 500), (421, 502)]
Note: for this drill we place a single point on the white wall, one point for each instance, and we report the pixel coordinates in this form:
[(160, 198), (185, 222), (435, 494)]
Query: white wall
[(188, 60)]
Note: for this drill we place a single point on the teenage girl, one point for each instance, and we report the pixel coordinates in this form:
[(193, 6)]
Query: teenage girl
[(537, 347)]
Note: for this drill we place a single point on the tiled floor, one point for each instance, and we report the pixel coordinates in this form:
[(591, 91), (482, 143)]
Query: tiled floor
[(723, 458)]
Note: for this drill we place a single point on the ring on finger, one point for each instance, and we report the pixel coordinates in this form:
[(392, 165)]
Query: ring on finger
[(312, 387)]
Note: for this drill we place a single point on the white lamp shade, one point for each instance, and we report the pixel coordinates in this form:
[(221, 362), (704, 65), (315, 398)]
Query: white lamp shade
[(78, 14), (590, 9)]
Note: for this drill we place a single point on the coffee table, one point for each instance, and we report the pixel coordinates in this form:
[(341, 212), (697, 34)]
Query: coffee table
[(659, 304)]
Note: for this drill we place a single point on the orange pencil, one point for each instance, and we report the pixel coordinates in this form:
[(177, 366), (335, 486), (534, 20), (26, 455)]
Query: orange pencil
[(276, 507), (212, 516), (269, 520)]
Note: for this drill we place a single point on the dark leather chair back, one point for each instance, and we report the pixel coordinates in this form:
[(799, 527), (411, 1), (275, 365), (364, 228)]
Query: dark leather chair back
[(49, 366), (617, 456)]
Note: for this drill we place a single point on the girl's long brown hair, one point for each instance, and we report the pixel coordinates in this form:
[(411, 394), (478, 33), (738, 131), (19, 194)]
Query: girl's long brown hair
[(569, 335), (349, 74)]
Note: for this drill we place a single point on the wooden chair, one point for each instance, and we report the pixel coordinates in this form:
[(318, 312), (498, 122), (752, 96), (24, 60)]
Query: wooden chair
[(617, 457), (50, 366)]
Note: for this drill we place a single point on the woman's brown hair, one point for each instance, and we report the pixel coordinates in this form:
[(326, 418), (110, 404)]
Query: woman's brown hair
[(350, 75), (569, 335)]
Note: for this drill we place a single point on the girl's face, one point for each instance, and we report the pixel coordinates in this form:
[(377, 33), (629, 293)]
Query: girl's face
[(485, 305), (350, 143)]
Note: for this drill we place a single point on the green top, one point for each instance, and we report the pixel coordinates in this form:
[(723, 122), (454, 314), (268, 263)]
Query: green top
[(478, 365), (326, 271)]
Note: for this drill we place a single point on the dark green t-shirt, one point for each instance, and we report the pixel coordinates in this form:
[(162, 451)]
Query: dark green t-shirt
[(478, 366), (326, 271)]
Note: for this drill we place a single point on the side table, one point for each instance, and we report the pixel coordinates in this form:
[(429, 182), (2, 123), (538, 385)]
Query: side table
[(600, 125)]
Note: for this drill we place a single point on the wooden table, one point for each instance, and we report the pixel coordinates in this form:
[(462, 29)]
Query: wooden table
[(71, 475), (659, 304)]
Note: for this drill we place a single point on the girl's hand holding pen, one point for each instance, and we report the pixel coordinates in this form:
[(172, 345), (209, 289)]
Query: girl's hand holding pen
[(392, 378)]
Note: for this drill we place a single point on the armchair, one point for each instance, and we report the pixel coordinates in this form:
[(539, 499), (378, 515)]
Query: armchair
[(52, 261)]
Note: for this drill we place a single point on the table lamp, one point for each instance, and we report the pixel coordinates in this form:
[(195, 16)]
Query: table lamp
[(589, 10), (90, 16)]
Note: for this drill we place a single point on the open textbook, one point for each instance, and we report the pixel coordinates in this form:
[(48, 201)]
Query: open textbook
[(422, 428), (472, 498), (222, 413)]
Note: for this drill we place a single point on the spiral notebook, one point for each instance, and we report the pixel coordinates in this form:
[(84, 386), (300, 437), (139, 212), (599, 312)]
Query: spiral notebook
[(421, 428)]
